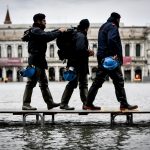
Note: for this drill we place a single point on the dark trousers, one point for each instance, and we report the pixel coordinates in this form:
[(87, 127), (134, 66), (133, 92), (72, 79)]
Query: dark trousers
[(118, 81), (40, 77), (83, 86)]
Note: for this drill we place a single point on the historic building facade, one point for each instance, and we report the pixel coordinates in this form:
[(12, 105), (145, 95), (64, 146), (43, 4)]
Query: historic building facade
[(14, 53)]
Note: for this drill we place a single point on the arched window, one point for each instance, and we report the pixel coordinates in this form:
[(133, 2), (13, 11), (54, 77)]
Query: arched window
[(19, 51), (61, 71), (9, 74), (138, 73), (127, 50), (95, 48), (51, 50), (9, 51), (51, 74), (138, 50)]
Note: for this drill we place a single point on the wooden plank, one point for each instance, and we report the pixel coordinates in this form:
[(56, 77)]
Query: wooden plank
[(55, 111), (41, 113)]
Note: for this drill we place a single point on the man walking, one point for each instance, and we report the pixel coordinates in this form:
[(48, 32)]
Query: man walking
[(37, 40), (109, 45), (79, 61)]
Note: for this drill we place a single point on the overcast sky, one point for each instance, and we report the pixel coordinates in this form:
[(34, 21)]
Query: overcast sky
[(133, 12)]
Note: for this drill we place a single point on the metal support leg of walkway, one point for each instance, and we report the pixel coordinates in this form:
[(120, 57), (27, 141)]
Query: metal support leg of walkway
[(37, 118), (129, 117)]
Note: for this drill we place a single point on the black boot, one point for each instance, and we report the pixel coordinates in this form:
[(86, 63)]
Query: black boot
[(48, 98), (53, 105), (66, 107), (124, 106)]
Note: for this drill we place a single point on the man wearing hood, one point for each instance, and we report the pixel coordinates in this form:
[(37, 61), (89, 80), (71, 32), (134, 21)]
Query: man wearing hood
[(79, 61), (109, 45)]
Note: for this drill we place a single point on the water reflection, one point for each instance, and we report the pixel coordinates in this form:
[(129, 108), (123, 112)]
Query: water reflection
[(72, 136), (82, 137)]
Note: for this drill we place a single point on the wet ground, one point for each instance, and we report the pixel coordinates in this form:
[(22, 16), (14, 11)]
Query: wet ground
[(71, 131)]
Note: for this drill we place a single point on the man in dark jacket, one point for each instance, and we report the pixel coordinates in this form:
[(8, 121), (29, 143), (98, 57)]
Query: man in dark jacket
[(79, 61), (109, 44), (37, 45)]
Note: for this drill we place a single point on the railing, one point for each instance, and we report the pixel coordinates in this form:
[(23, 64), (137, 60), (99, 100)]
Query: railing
[(139, 58)]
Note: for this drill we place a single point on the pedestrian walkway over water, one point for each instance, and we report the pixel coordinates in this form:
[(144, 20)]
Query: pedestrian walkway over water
[(40, 114)]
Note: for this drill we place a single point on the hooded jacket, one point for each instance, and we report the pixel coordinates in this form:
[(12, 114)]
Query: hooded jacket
[(37, 46), (80, 57), (109, 42)]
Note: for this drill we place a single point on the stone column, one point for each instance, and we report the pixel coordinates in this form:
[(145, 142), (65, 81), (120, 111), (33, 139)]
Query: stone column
[(90, 72), (132, 74), (142, 50), (25, 50), (122, 69), (14, 50), (132, 49), (47, 51), (4, 72), (55, 51), (4, 50), (14, 78), (56, 73), (47, 74)]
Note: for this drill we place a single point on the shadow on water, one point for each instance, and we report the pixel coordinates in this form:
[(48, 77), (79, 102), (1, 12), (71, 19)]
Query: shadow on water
[(74, 123)]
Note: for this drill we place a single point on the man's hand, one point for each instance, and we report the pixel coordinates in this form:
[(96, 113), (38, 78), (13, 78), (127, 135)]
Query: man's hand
[(91, 53), (62, 29), (115, 57)]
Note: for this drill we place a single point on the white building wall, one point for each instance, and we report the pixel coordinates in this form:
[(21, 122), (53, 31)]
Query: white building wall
[(127, 34)]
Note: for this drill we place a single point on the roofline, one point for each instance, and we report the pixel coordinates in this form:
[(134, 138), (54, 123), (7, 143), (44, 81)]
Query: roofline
[(57, 25)]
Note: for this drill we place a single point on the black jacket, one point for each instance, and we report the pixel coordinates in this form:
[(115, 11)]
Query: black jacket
[(37, 46), (109, 43), (80, 56)]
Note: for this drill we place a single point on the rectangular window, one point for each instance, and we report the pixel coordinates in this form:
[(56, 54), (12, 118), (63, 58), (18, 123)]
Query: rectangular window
[(95, 49), (51, 50), (19, 51), (9, 51), (138, 50), (127, 50)]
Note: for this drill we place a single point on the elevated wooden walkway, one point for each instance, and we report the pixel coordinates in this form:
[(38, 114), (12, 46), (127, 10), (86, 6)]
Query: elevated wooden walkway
[(42, 113)]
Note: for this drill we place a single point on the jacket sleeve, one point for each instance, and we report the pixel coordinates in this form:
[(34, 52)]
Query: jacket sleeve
[(114, 42), (81, 47), (42, 35), (112, 39)]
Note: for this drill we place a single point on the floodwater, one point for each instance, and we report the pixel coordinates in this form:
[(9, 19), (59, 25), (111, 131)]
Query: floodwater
[(71, 131)]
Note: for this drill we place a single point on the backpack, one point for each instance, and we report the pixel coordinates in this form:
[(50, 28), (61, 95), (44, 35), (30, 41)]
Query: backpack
[(27, 35), (65, 44)]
